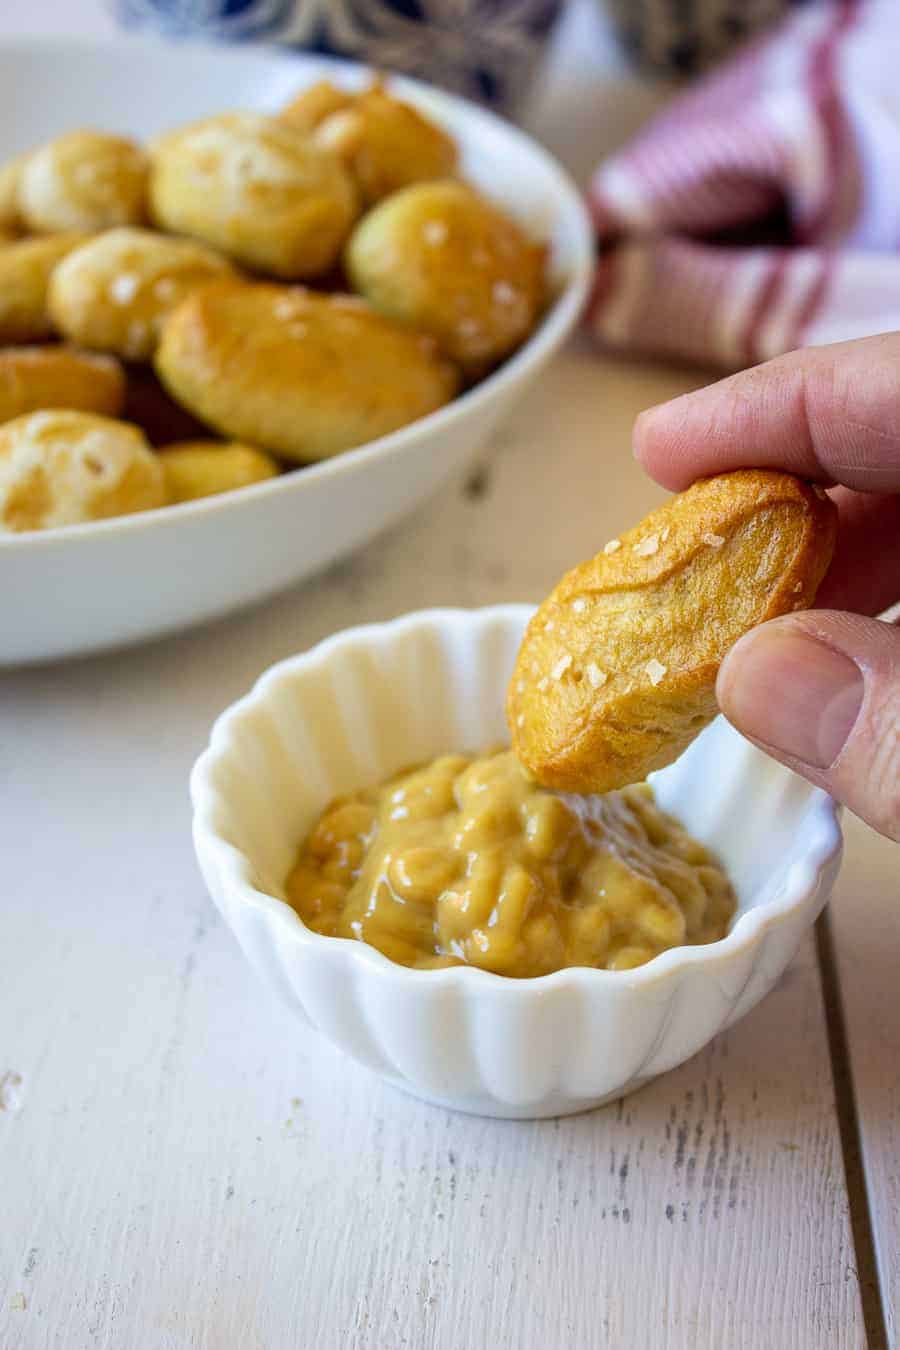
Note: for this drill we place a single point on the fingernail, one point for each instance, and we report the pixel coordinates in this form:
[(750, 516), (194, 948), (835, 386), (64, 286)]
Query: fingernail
[(792, 692)]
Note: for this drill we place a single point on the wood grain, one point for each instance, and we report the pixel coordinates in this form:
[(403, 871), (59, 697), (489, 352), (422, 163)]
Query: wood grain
[(865, 922)]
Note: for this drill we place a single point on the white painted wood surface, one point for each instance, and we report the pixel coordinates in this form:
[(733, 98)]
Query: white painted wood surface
[(865, 920), (189, 1168), (182, 1166)]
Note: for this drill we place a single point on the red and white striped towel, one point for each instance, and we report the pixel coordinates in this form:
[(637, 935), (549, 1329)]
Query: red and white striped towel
[(795, 140)]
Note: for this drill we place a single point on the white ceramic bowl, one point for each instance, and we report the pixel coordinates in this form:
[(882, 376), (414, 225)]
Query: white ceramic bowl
[(85, 587), (370, 701)]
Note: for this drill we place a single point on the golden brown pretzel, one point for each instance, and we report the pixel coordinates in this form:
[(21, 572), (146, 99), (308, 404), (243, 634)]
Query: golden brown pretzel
[(616, 674), (56, 376), (25, 270), (302, 374)]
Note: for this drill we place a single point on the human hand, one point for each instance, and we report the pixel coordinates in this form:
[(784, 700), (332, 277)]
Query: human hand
[(820, 690)]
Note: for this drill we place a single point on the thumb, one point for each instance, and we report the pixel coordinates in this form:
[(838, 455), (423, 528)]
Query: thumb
[(820, 691)]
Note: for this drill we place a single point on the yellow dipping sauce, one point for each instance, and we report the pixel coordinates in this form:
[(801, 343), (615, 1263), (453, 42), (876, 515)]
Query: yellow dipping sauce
[(468, 862)]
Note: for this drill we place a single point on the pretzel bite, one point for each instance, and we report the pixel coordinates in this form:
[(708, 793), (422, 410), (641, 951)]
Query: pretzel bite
[(304, 374), (257, 189), (442, 257), (84, 180), (63, 468), (203, 468), (617, 670), (10, 177), (114, 292), (385, 144), (25, 268), (52, 376), (312, 105)]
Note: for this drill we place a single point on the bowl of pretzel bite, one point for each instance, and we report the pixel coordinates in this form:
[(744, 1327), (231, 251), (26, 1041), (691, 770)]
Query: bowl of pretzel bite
[(253, 308)]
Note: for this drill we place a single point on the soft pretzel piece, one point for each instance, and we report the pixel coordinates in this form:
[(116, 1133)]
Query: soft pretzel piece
[(444, 258), (64, 468), (25, 269), (195, 469), (55, 376), (386, 144), (115, 291), (11, 221), (257, 189), (617, 670), (313, 104), (302, 374), (84, 180)]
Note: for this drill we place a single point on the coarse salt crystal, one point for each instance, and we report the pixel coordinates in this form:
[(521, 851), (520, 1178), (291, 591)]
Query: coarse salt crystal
[(542, 683), (713, 540), (596, 676), (165, 289), (647, 546), (503, 293), (520, 687), (434, 232), (579, 605), (285, 308), (612, 546), (665, 534), (520, 720), (549, 626), (655, 670), (123, 288), (561, 666)]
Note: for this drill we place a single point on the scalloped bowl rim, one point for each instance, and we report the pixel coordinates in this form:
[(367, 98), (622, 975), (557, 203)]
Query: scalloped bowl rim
[(823, 818), (554, 326)]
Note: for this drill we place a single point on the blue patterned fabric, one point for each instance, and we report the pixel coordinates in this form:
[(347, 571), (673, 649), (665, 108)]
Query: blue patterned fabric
[(485, 49)]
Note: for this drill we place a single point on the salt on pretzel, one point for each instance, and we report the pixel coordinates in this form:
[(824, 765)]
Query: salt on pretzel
[(617, 670)]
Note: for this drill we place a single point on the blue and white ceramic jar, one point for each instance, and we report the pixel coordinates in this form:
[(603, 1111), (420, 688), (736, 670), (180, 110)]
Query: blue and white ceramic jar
[(485, 49), (683, 37)]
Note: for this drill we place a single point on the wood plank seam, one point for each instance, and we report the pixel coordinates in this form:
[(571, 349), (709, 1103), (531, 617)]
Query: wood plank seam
[(870, 1286)]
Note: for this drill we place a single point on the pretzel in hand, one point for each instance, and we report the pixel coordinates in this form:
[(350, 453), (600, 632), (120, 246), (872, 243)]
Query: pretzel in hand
[(616, 673)]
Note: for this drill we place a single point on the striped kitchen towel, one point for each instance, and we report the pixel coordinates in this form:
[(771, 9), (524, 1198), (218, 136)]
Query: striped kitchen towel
[(761, 210)]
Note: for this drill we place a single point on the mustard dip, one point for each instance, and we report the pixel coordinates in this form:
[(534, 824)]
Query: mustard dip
[(468, 862)]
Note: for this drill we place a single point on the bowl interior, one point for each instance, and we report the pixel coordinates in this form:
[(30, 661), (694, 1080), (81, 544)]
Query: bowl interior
[(372, 701)]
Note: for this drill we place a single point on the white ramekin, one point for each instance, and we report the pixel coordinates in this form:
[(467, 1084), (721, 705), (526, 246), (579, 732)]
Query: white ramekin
[(372, 700)]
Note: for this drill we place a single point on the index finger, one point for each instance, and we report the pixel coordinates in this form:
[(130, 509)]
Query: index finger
[(831, 414)]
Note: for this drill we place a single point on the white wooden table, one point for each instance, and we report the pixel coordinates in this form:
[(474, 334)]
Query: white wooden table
[(182, 1166)]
